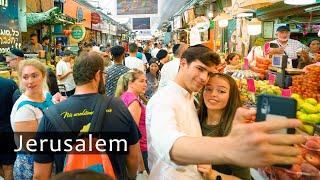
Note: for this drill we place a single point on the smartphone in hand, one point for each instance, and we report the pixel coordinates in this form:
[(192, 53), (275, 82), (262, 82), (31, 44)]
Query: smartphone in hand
[(276, 107)]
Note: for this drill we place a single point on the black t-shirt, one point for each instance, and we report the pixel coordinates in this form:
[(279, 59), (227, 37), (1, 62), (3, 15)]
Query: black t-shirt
[(119, 119), (7, 89)]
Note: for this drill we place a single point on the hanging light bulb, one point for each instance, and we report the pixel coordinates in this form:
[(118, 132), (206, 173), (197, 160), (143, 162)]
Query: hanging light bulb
[(299, 2), (319, 33), (223, 23), (254, 27)]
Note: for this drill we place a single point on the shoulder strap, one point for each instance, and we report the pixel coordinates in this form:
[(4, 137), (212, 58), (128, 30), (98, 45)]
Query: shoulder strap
[(41, 105), (56, 119), (98, 118)]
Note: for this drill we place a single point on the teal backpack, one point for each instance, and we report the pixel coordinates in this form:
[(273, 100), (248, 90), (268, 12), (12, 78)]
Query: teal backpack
[(41, 105)]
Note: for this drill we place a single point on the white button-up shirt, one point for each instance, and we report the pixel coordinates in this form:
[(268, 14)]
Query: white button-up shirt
[(169, 72), (171, 114), (133, 62), (291, 47)]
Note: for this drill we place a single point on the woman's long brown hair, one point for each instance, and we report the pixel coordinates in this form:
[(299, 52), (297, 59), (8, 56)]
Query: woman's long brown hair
[(229, 111)]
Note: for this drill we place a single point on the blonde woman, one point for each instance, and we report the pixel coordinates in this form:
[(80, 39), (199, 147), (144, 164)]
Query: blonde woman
[(130, 88), (27, 110)]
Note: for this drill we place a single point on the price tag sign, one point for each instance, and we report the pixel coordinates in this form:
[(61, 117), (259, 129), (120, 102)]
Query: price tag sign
[(286, 92), (272, 78), (266, 48), (246, 64), (251, 85)]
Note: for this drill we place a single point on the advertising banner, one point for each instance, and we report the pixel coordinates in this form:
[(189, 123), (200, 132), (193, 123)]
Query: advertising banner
[(137, 7), (140, 23)]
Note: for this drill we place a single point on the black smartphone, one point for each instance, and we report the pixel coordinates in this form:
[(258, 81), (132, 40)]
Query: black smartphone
[(276, 107)]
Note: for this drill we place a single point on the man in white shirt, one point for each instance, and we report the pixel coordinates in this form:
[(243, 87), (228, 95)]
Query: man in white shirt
[(175, 145), (64, 73), (132, 61), (169, 70), (286, 45), (155, 50)]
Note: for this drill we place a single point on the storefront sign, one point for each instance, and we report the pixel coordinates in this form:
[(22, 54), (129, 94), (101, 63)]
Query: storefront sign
[(78, 32), (9, 38), (95, 18), (10, 35), (79, 14)]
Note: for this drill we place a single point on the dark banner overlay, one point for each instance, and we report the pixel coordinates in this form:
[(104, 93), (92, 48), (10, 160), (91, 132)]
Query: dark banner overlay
[(63, 143)]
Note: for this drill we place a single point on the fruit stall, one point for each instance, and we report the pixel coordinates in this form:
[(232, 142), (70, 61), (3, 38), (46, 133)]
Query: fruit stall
[(305, 89)]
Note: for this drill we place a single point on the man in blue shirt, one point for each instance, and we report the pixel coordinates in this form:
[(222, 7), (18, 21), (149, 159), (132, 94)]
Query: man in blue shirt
[(114, 71)]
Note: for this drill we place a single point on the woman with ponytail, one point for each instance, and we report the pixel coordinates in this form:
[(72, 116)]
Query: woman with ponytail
[(131, 87)]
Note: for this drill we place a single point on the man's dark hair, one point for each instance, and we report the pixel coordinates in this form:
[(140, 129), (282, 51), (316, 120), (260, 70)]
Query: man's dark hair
[(175, 48), (155, 45), (162, 54), (203, 54), (140, 49), (81, 174), (133, 47), (46, 37), (33, 35), (117, 51), (86, 66)]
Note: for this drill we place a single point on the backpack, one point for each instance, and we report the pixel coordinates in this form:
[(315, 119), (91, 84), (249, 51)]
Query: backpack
[(98, 162), (41, 105)]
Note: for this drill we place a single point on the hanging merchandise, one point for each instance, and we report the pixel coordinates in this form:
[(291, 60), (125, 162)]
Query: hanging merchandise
[(222, 19), (223, 23), (195, 38), (254, 27), (202, 23), (299, 2)]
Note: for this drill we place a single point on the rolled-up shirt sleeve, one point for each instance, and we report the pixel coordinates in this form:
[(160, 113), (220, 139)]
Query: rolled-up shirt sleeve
[(163, 128)]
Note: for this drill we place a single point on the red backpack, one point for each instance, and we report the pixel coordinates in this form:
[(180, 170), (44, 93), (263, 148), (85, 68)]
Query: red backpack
[(95, 160)]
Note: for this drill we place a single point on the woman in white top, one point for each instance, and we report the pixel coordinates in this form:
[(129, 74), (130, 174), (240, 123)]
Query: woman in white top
[(27, 111)]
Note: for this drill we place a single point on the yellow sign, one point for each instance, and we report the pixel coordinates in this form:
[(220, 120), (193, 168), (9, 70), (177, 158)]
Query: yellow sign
[(78, 32)]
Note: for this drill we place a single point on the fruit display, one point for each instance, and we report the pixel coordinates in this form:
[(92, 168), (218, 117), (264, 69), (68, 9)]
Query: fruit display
[(307, 85), (262, 65), (308, 111), (307, 166), (262, 87)]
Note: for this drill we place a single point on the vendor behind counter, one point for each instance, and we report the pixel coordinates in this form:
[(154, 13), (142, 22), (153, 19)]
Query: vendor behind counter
[(286, 46)]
